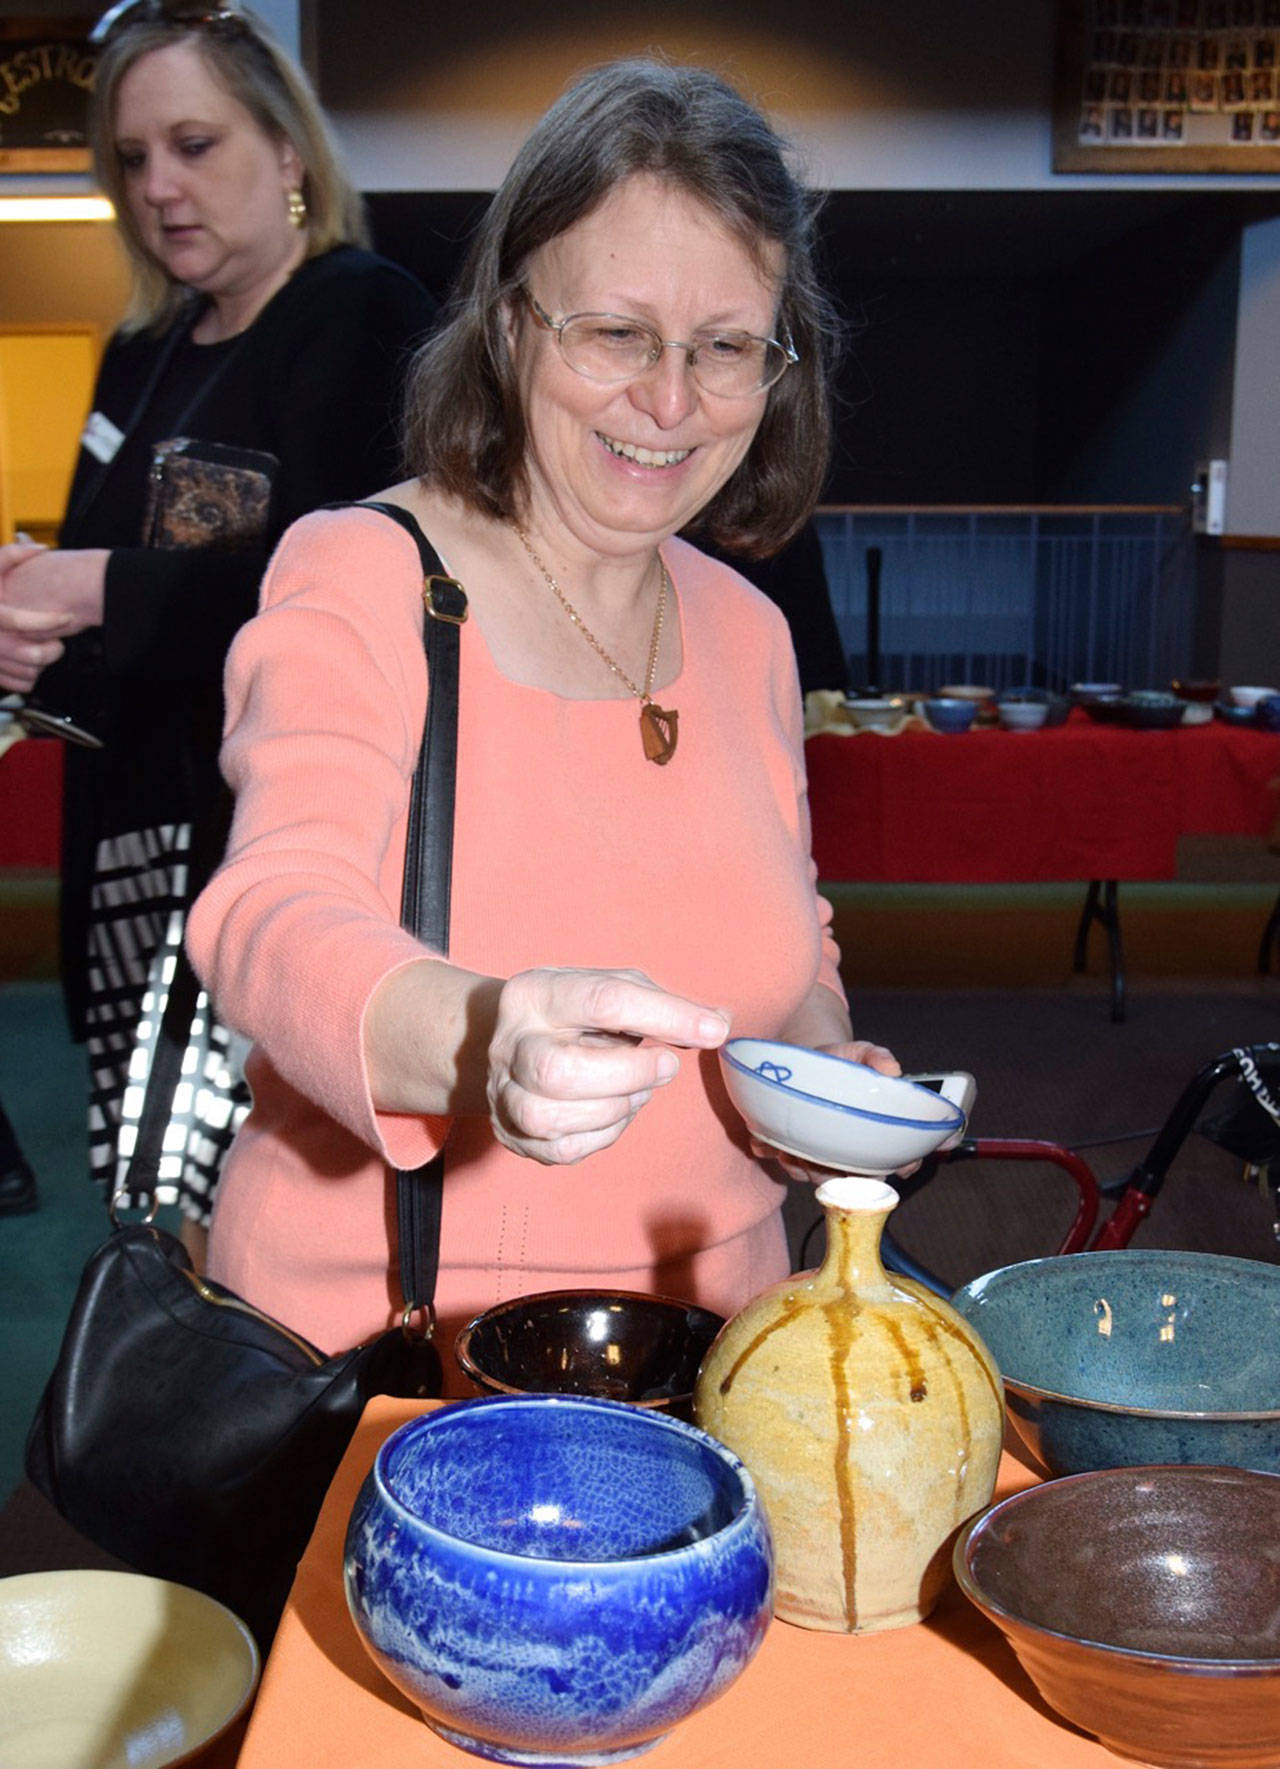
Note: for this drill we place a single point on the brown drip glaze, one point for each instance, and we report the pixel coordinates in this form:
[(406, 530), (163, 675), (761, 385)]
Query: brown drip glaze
[(792, 1306), (917, 1384), (840, 1316), (944, 1326)]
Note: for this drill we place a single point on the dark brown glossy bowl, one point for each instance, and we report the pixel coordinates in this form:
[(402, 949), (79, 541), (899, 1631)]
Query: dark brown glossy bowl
[(1198, 690), (1144, 1603), (614, 1344)]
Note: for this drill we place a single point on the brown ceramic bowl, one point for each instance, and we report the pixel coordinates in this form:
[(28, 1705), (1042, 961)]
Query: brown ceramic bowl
[(1144, 1603), (1207, 691), (614, 1344)]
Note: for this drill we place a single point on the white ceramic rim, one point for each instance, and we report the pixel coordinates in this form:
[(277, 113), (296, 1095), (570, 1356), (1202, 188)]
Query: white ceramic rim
[(953, 1122)]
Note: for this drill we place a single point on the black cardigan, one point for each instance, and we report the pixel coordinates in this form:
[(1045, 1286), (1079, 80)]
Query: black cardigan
[(316, 380)]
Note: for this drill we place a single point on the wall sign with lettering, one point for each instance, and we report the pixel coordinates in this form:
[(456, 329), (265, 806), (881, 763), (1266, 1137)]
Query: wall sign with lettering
[(46, 76)]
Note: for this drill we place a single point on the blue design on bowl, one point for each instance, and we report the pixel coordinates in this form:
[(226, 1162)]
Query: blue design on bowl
[(557, 1580), (1136, 1356)]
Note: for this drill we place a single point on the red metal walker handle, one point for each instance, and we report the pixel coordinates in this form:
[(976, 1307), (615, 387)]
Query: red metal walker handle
[(985, 1148)]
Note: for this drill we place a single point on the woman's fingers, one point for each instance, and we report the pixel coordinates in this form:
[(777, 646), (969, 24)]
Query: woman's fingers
[(576, 1054)]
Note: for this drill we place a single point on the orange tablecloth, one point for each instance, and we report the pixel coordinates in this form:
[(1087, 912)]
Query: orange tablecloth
[(946, 1692), (1082, 801)]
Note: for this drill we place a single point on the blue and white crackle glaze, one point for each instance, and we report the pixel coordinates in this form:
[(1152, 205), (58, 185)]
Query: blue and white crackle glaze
[(557, 1580)]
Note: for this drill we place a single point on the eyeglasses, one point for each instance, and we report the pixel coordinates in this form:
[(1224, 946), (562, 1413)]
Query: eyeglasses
[(609, 347), (223, 21)]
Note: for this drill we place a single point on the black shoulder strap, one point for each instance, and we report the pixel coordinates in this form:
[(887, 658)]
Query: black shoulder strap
[(428, 864), (424, 911)]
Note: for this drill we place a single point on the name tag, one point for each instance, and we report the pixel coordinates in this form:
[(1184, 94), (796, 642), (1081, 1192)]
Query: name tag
[(101, 437)]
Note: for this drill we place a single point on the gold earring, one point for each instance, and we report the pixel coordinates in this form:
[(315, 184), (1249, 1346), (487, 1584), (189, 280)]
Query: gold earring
[(297, 205)]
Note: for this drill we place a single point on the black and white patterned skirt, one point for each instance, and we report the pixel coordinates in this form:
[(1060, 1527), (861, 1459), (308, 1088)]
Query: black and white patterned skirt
[(137, 916)]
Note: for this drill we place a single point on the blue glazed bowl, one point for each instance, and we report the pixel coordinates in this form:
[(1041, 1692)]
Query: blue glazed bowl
[(1267, 712), (557, 1580), (1136, 1356), (950, 716)]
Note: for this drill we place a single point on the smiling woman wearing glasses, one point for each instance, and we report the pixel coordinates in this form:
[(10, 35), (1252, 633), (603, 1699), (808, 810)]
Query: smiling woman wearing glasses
[(636, 351), (259, 322)]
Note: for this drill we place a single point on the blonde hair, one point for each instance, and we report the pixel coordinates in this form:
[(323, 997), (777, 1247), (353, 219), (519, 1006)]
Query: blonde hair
[(242, 55)]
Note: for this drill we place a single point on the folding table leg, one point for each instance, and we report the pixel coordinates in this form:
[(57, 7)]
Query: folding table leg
[(1102, 904)]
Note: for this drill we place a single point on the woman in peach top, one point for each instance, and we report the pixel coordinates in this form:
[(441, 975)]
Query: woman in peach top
[(637, 349)]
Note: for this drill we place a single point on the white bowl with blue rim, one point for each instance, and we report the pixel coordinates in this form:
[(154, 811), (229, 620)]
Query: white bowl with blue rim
[(840, 1114)]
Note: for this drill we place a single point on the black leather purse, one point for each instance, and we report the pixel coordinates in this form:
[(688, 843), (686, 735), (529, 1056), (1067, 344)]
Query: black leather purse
[(183, 1430)]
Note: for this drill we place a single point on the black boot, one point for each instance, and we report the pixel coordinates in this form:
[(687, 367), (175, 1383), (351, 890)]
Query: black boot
[(17, 1182)]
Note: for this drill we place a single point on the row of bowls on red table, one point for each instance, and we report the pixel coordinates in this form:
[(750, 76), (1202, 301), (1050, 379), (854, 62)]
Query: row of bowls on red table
[(556, 1577), (960, 707)]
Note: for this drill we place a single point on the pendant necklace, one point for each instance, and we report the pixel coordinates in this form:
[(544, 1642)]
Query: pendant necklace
[(658, 724)]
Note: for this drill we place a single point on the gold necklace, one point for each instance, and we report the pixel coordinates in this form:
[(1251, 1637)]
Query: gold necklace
[(658, 724)]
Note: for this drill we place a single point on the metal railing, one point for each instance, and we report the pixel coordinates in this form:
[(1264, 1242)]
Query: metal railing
[(1012, 595)]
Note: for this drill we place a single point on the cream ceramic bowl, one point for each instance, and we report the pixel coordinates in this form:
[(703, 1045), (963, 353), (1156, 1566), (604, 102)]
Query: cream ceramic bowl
[(1249, 696), (885, 711), (1023, 715), (111, 1670), (840, 1114)]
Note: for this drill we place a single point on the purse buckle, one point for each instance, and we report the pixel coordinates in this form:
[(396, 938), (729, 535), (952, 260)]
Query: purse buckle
[(428, 1329), (119, 1202), (444, 599)]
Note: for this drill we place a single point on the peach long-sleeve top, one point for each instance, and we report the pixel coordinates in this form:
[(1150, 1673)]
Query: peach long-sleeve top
[(570, 848)]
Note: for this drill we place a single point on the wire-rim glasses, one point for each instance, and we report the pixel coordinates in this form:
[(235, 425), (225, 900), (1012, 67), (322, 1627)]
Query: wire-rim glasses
[(226, 21), (612, 347)]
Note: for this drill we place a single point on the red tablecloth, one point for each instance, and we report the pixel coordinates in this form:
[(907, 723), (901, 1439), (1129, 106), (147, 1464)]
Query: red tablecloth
[(31, 803), (991, 806)]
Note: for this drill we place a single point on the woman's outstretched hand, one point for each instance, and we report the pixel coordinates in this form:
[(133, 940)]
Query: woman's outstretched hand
[(575, 1054)]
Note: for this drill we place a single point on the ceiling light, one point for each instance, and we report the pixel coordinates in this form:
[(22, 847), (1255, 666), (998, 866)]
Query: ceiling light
[(56, 209)]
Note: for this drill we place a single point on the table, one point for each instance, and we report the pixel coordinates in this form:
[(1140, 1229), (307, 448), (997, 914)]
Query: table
[(1088, 801), (946, 1691)]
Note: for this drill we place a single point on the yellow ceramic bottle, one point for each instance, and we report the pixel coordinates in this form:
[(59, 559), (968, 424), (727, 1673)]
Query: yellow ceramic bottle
[(870, 1416)]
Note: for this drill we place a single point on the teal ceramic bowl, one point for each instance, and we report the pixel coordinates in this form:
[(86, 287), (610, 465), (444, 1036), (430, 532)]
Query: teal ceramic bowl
[(1136, 1356)]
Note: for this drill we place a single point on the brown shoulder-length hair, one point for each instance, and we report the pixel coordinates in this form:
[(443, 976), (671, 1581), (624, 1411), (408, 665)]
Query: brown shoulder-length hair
[(242, 55), (464, 424)]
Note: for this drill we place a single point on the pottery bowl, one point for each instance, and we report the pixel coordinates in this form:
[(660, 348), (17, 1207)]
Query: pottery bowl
[(1023, 715), (1057, 706), (1207, 691), (1085, 691), (841, 1114), (113, 1670), (614, 1344), (1151, 710), (1231, 714), (1144, 1603), (1249, 696), (984, 698), (1139, 1355), (870, 713), (1267, 712), (951, 716), (553, 1579)]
